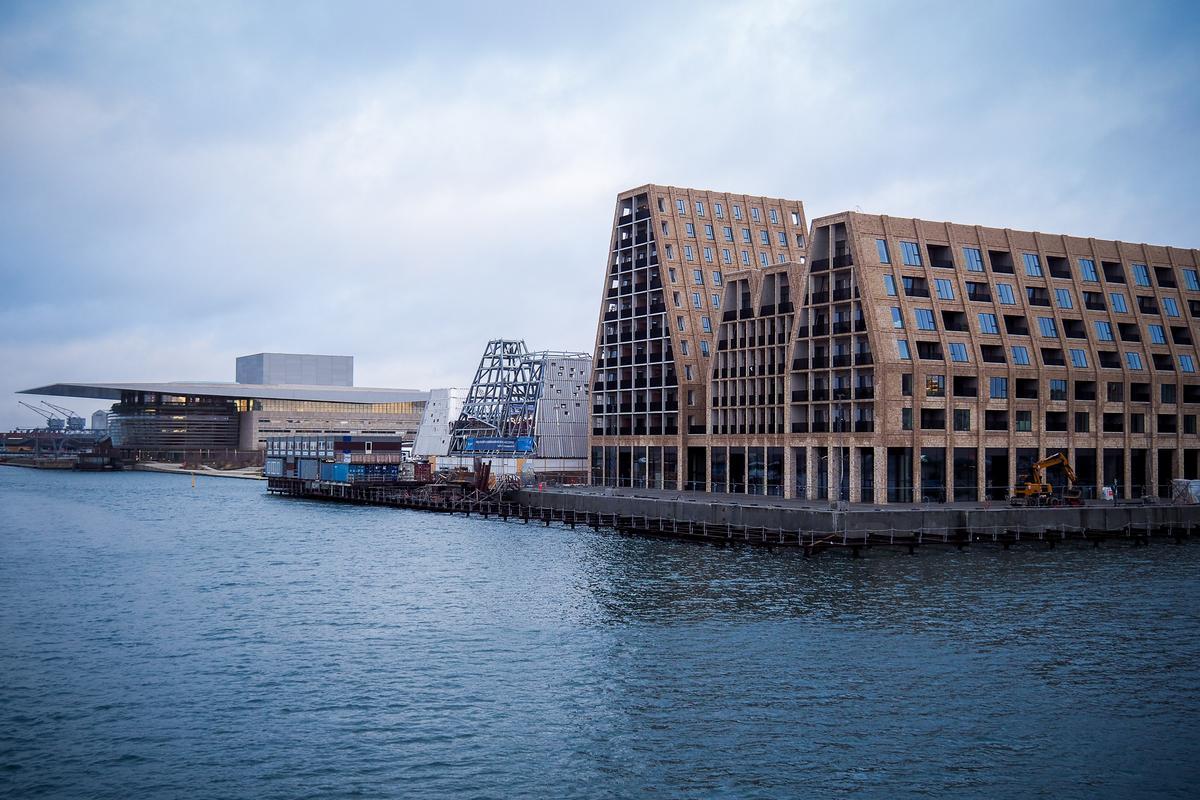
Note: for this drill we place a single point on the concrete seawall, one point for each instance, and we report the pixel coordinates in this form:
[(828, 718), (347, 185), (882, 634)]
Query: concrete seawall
[(773, 514)]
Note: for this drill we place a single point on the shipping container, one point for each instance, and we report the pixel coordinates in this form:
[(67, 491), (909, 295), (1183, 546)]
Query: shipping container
[(273, 468), (307, 469), (336, 473)]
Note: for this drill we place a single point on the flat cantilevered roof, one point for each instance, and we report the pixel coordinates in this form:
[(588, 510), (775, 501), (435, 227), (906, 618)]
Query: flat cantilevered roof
[(247, 391)]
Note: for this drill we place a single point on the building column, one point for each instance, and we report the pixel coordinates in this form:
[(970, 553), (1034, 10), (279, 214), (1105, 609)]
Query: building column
[(855, 473), (880, 475)]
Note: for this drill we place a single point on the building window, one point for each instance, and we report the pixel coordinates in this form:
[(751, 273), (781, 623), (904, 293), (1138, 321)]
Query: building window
[(1033, 265), (1186, 363), (1005, 292), (755, 215), (881, 246), (910, 254), (1058, 389), (683, 347), (670, 252), (679, 322), (935, 386), (1079, 358), (1170, 307), (795, 217), (708, 254), (1047, 327), (962, 419), (1191, 279), (774, 216), (704, 347), (925, 319), (783, 239), (958, 352), (716, 301), (1157, 334), (699, 209), (1024, 421), (1063, 296), (1020, 355), (682, 206), (727, 232), (1133, 360), (675, 297), (737, 212), (687, 252), (716, 277), (745, 258), (1104, 331), (764, 238), (726, 257), (1082, 422), (988, 323), (1137, 423), (902, 350), (671, 274), (945, 288), (763, 259), (999, 388), (889, 285), (687, 372), (718, 210), (691, 229), (1118, 302), (906, 419), (974, 259), (1087, 268), (897, 318), (746, 235), (706, 324), (799, 240), (696, 300), (1141, 275), (708, 232), (698, 277)]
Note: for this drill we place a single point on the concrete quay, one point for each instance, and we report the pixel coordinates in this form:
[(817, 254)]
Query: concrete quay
[(817, 526)]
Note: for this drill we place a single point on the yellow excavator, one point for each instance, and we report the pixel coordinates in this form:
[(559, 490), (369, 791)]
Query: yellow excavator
[(1036, 492)]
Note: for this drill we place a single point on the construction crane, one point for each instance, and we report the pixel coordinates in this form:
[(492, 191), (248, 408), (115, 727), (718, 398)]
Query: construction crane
[(1036, 492), (53, 423), (74, 421)]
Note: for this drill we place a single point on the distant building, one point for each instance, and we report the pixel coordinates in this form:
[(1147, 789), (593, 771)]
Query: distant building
[(295, 369), (441, 412), (176, 419), (100, 421)]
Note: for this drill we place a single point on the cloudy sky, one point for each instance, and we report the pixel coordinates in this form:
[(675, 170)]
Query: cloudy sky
[(181, 183)]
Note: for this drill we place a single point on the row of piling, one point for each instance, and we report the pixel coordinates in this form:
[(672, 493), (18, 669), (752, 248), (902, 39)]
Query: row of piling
[(853, 540)]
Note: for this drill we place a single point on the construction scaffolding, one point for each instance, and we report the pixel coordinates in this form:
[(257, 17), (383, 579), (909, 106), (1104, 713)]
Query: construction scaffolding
[(502, 414)]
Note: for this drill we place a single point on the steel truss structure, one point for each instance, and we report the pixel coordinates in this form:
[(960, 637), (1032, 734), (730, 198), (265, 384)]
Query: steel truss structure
[(500, 413)]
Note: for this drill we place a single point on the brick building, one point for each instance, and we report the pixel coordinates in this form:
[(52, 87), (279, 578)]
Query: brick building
[(912, 360)]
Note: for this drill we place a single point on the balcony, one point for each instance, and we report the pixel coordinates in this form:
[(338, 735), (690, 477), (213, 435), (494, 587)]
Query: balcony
[(865, 425), (820, 297), (864, 392), (818, 265), (800, 395), (843, 260)]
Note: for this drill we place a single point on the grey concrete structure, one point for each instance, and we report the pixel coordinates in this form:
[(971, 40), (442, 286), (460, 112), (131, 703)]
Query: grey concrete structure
[(295, 369)]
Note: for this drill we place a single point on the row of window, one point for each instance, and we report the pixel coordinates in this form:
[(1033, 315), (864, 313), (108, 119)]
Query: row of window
[(764, 237), (1055, 421), (910, 254), (1047, 326), (1005, 294), (719, 211), (764, 259), (1020, 356)]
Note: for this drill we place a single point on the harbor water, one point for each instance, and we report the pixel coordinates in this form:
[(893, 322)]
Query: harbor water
[(160, 640)]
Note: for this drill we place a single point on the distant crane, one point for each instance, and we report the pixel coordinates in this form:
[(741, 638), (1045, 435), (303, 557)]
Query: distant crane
[(74, 421), (52, 422)]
